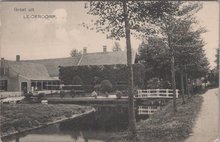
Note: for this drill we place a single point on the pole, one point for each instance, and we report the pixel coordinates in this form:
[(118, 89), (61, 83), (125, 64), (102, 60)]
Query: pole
[(186, 80), (173, 75), (182, 86), (132, 120)]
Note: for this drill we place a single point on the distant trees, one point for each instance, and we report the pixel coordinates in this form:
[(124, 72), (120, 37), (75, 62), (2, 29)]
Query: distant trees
[(75, 52), (116, 47), (217, 57), (213, 75)]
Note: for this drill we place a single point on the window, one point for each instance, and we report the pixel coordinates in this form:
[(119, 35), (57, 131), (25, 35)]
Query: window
[(3, 85), (3, 71)]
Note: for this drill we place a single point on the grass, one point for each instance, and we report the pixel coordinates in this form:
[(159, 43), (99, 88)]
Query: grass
[(20, 117), (165, 125)]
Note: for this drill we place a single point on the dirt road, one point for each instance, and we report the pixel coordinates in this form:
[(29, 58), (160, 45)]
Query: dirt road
[(206, 126)]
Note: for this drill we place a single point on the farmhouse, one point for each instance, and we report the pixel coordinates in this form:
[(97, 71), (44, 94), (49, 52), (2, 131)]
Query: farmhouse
[(18, 76), (44, 73)]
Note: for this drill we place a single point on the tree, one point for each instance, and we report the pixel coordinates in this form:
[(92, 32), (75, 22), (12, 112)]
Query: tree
[(116, 47), (154, 55), (121, 19), (75, 52), (217, 58), (169, 22), (106, 86)]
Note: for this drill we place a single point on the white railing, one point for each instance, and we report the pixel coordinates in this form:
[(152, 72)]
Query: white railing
[(10, 94), (143, 110), (156, 93)]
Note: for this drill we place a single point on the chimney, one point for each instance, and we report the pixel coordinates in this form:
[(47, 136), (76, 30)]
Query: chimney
[(104, 48), (2, 62), (85, 50), (17, 58)]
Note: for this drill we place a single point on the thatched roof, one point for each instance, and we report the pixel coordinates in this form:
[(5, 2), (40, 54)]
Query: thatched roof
[(98, 58), (52, 65), (108, 58), (31, 71)]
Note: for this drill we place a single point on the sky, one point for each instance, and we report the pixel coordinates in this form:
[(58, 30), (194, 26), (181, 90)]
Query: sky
[(55, 37)]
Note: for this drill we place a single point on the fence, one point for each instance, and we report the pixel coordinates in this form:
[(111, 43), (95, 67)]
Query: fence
[(143, 110), (156, 93), (10, 94)]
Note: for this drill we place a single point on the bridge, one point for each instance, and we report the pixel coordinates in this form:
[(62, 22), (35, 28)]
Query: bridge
[(156, 93), (150, 94)]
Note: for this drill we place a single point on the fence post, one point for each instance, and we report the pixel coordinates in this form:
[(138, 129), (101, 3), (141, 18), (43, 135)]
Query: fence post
[(167, 93), (177, 93)]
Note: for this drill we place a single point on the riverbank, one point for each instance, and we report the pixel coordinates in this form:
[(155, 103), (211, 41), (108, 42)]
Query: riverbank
[(165, 125), (18, 118)]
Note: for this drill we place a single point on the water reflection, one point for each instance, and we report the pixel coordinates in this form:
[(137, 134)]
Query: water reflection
[(53, 133), (95, 127)]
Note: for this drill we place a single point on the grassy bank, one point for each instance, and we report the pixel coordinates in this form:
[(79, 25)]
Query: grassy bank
[(17, 118), (164, 125)]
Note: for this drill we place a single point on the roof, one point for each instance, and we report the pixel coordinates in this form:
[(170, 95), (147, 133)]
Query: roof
[(31, 71), (52, 65), (98, 58), (108, 58)]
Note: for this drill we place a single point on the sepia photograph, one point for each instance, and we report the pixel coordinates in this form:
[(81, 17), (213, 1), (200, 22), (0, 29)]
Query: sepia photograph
[(109, 71)]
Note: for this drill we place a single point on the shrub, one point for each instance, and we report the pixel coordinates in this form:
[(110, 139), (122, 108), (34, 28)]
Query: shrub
[(73, 93), (106, 86), (77, 80), (118, 94), (156, 83), (62, 94)]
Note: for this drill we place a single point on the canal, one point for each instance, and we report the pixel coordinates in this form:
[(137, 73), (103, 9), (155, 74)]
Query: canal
[(94, 127)]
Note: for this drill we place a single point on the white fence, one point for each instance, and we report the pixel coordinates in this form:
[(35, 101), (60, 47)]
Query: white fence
[(156, 93), (10, 94), (143, 110)]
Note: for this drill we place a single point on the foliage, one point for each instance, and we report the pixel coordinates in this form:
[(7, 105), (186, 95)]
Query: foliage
[(106, 86), (166, 126), (213, 77), (92, 75), (62, 94), (156, 83), (217, 57), (139, 75), (116, 47), (118, 94), (77, 80), (75, 52), (28, 96), (155, 56)]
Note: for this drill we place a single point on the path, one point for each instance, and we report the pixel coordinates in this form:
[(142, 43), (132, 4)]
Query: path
[(206, 127)]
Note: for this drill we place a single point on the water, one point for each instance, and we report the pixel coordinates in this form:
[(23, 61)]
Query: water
[(53, 133), (96, 127)]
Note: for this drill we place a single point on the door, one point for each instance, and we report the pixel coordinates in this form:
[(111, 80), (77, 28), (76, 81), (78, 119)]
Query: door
[(24, 87)]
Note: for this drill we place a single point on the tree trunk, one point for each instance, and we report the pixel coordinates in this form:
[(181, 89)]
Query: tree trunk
[(187, 85), (182, 86), (132, 120), (173, 75)]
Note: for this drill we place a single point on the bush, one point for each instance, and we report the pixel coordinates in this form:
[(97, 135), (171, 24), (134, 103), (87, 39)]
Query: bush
[(156, 83), (72, 93), (118, 94), (62, 94), (77, 80), (106, 86)]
